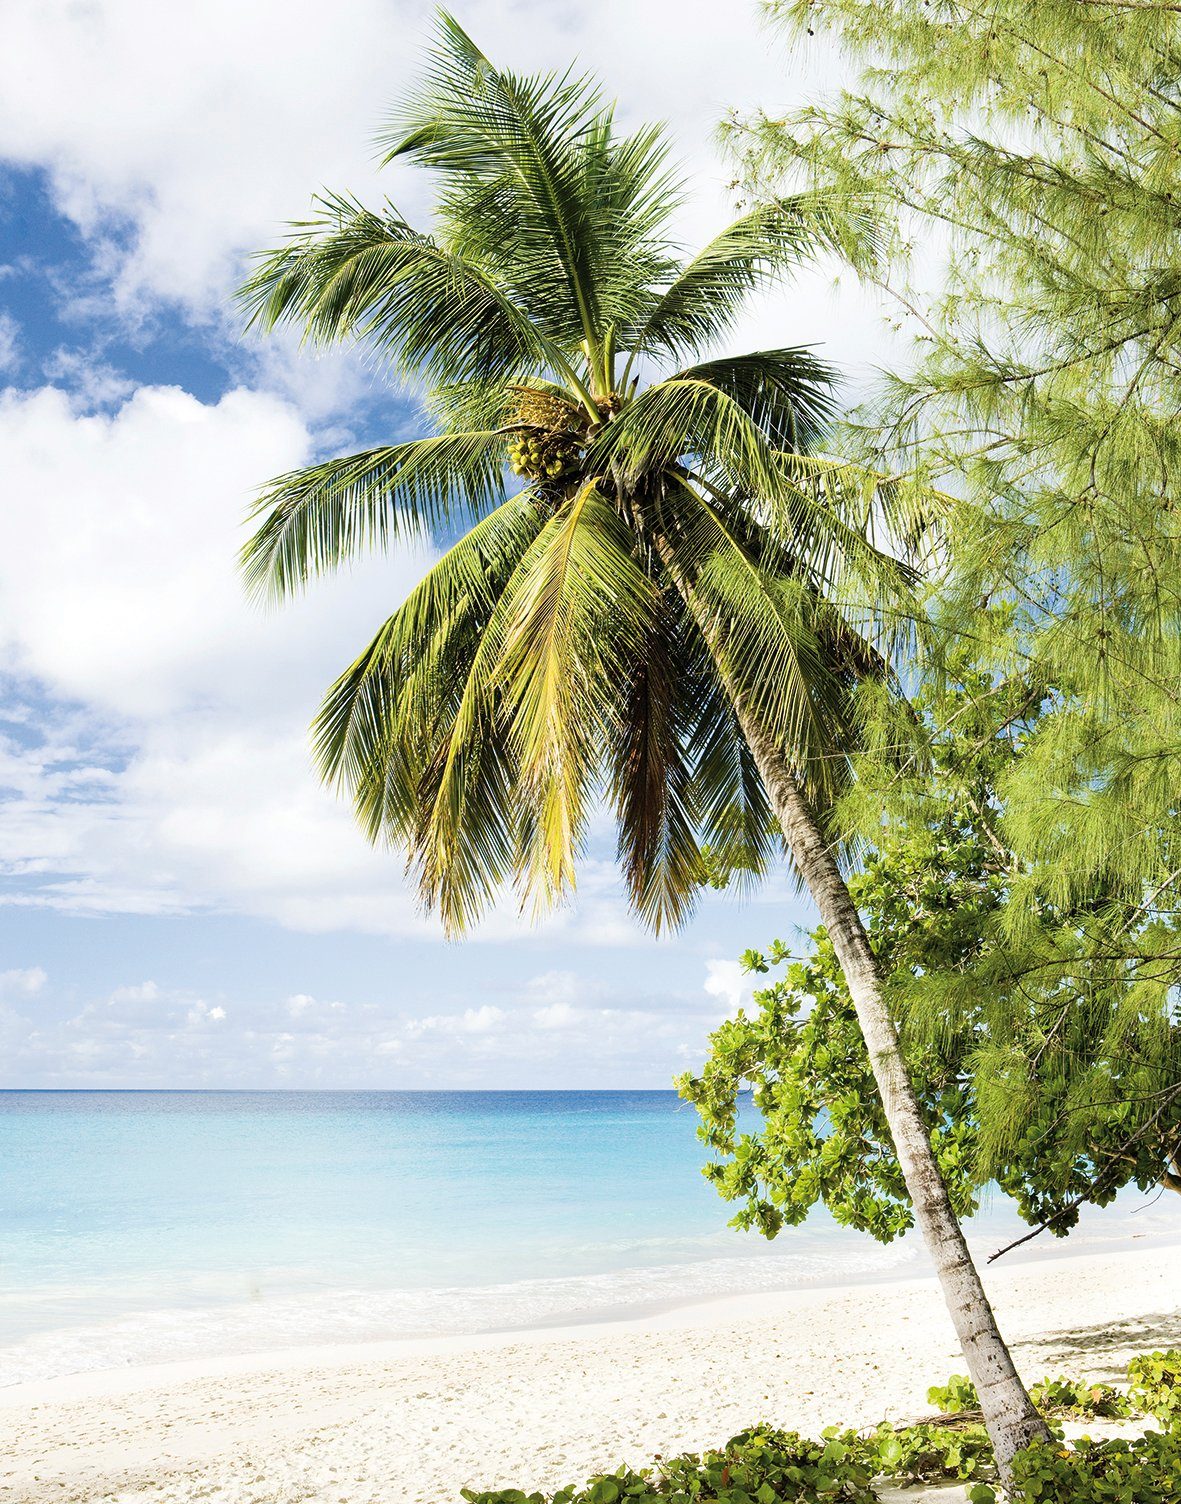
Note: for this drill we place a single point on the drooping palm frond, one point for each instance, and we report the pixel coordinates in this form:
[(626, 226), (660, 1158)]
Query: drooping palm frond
[(578, 602), (351, 274), (763, 637), (378, 727), (689, 419), (788, 394), (316, 518), (651, 774)]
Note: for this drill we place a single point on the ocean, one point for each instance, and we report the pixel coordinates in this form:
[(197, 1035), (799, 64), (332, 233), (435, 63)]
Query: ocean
[(141, 1227)]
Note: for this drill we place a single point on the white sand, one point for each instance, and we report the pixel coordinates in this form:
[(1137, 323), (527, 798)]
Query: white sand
[(414, 1422)]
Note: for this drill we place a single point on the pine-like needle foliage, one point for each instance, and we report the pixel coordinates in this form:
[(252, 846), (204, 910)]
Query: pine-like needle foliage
[(549, 659), (1032, 150)]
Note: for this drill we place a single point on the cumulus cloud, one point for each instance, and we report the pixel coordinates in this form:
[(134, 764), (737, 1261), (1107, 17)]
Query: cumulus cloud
[(727, 982), (156, 758), (179, 138)]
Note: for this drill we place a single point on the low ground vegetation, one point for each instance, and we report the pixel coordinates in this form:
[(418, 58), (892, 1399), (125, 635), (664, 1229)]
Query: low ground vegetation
[(765, 1465)]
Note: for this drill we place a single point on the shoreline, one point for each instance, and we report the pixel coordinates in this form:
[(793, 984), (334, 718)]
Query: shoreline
[(415, 1420), (689, 1314), (257, 1354)]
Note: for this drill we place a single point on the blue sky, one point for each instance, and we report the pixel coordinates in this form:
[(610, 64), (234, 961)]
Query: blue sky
[(182, 904)]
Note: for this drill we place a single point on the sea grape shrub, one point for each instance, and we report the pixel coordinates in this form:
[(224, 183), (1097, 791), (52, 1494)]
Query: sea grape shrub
[(764, 1465), (1155, 1385), (1146, 1470), (927, 1453), (954, 1397), (1059, 1396), (759, 1466), (1071, 1397)]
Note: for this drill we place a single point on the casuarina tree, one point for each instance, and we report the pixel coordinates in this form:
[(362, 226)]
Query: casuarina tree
[(672, 610)]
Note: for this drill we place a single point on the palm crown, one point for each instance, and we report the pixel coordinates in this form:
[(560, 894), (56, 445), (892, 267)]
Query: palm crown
[(675, 559)]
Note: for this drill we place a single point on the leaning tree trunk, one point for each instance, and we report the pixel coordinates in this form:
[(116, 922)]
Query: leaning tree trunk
[(1009, 1413)]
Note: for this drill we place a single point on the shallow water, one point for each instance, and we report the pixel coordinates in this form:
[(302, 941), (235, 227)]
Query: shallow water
[(144, 1226)]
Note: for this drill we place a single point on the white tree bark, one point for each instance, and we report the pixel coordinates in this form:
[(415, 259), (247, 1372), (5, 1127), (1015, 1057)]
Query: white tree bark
[(1009, 1413)]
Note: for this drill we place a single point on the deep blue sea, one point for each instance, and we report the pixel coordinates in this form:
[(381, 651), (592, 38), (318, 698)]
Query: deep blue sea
[(146, 1226)]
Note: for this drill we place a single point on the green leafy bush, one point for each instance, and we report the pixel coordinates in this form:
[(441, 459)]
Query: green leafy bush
[(954, 1397), (768, 1466), (1073, 1397), (1155, 1385), (926, 1453), (1144, 1471), (1064, 1396), (759, 1466)]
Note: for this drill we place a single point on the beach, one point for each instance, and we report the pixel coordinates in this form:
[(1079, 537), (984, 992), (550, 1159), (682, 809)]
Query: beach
[(415, 1421)]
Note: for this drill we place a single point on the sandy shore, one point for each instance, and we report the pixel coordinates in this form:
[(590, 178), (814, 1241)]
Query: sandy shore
[(414, 1422)]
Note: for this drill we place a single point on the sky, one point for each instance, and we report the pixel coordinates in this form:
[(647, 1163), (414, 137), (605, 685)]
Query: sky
[(181, 903)]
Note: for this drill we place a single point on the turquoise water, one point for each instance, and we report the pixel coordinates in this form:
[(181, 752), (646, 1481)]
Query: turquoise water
[(144, 1226)]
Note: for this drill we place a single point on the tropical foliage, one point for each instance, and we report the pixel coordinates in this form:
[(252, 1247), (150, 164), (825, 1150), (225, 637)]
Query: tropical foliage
[(1026, 156), (552, 654), (1042, 1065)]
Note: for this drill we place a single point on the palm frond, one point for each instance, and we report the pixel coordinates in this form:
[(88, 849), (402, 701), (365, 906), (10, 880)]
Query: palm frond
[(787, 393), (689, 419), (352, 274), (651, 775), (538, 187), (578, 601), (703, 301), (765, 636), (381, 720), (320, 516)]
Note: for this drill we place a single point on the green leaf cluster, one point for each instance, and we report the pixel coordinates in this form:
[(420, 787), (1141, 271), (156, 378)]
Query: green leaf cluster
[(1144, 1470), (1155, 1385), (1048, 1060), (763, 1465)]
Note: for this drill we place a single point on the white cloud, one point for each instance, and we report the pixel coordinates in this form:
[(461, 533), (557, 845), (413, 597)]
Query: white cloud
[(10, 357), (556, 1016), (726, 981), (24, 981), (181, 137), (171, 767), (482, 1020)]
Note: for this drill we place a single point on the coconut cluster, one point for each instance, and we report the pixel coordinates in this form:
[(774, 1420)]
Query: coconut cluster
[(548, 436)]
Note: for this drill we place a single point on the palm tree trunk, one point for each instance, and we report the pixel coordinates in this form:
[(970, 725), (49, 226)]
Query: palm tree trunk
[(1009, 1413)]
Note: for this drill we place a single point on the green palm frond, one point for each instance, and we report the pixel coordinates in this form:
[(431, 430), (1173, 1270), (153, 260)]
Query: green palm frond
[(689, 419), (788, 394), (379, 725), (766, 639), (650, 775), (705, 298), (317, 517), (530, 166), (578, 601), (352, 274)]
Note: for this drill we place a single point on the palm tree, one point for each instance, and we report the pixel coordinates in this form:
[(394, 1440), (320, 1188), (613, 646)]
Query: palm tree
[(671, 611)]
